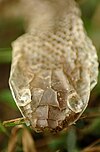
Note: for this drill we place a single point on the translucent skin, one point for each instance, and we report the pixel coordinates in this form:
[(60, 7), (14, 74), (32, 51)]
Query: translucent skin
[(54, 66)]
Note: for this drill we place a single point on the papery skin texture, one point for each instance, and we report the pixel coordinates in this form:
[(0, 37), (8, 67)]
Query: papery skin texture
[(54, 65)]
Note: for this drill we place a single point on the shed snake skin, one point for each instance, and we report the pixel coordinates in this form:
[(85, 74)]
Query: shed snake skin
[(54, 65)]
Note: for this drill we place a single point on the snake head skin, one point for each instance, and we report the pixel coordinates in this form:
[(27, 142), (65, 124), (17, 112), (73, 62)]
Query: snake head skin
[(53, 68)]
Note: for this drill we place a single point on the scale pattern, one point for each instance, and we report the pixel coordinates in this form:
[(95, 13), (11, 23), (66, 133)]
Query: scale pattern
[(53, 68)]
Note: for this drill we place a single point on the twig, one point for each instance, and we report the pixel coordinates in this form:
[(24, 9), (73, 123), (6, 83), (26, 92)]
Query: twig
[(92, 147), (13, 122), (91, 116)]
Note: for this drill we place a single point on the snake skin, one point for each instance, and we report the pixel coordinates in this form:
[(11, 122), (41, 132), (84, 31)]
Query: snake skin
[(54, 65)]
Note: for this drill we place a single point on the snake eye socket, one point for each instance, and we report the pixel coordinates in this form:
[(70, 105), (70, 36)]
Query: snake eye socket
[(25, 97), (75, 103)]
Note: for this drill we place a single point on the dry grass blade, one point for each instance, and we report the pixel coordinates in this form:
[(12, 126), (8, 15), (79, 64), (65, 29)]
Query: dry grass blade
[(19, 121), (90, 116), (13, 140), (27, 141), (93, 147), (13, 122)]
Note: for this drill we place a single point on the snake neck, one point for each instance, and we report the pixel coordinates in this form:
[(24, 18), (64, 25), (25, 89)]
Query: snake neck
[(45, 15)]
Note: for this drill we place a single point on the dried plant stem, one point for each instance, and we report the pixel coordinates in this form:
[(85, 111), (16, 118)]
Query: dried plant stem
[(28, 143), (19, 121), (93, 147), (13, 122), (90, 116)]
